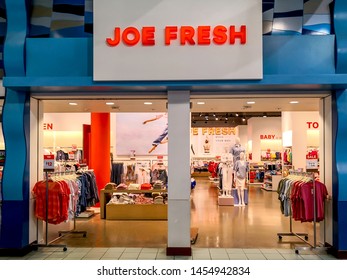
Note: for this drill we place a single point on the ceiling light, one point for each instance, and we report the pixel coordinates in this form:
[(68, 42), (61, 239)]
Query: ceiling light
[(264, 115), (243, 119), (73, 103), (109, 103), (148, 103), (236, 114), (217, 119), (294, 102), (200, 103), (250, 102)]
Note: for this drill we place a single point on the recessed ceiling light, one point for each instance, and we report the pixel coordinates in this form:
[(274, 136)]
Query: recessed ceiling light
[(294, 102), (73, 103), (109, 103), (148, 103), (200, 103), (250, 102)]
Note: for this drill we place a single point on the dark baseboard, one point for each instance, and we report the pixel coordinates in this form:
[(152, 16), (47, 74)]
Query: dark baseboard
[(178, 251), (339, 254), (16, 252)]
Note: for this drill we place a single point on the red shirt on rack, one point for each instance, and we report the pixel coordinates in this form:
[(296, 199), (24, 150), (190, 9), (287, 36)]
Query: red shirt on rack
[(58, 201)]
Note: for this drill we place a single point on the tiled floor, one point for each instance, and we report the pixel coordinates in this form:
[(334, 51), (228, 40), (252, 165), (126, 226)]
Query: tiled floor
[(224, 233), (54, 253)]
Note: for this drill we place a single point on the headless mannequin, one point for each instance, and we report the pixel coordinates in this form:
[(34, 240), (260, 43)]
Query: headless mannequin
[(237, 149), (240, 169), (227, 171)]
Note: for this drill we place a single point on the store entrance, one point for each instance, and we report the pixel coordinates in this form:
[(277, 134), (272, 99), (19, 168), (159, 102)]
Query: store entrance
[(277, 137), (266, 129)]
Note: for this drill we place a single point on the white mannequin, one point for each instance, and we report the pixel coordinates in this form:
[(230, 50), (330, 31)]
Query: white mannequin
[(241, 168), (227, 171)]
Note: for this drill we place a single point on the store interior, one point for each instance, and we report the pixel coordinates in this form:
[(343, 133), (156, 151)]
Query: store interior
[(268, 128)]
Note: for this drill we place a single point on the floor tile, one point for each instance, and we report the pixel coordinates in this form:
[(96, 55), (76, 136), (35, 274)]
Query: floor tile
[(286, 251), (327, 257), (74, 257), (311, 257), (238, 257), (273, 256), (161, 256), (149, 250), (252, 251), (132, 250), (115, 250), (147, 256), (219, 257), (255, 256), (129, 256), (200, 250), (183, 257), (201, 257), (292, 257), (234, 251), (269, 251)]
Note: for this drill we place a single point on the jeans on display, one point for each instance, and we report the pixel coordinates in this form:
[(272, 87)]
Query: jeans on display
[(161, 137)]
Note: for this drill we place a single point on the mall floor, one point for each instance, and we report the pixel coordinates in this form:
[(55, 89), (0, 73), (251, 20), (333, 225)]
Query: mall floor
[(224, 232)]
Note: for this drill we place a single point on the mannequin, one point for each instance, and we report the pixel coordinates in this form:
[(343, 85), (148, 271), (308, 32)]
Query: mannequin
[(241, 168), (227, 172), (237, 149)]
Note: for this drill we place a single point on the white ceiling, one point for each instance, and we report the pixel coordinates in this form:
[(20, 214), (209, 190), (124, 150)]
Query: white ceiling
[(216, 104)]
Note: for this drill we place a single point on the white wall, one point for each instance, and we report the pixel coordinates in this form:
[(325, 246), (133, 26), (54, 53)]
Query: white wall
[(258, 127), (67, 129), (302, 138)]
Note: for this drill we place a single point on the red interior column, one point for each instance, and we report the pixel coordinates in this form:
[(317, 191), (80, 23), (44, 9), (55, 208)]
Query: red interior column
[(100, 159)]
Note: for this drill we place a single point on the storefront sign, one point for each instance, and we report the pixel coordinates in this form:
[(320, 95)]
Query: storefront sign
[(177, 40)]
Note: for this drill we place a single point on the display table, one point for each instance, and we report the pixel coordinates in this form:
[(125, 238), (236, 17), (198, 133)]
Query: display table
[(131, 211)]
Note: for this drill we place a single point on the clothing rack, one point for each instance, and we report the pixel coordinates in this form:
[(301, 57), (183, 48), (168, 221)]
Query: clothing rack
[(47, 244), (304, 236), (72, 231)]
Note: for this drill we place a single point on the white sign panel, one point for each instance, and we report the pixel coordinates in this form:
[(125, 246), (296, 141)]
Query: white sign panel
[(177, 40)]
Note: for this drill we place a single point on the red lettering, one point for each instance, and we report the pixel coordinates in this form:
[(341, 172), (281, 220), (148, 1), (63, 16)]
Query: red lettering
[(148, 36), (204, 35), (170, 34), (115, 41), (219, 34), (187, 34), (47, 126), (134, 36), (241, 34), (312, 124)]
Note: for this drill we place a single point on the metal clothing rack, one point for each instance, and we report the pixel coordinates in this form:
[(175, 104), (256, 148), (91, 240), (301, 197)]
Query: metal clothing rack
[(47, 244), (304, 236), (73, 231)]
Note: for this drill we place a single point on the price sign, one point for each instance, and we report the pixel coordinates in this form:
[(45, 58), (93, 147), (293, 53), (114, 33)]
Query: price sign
[(312, 163), (48, 162)]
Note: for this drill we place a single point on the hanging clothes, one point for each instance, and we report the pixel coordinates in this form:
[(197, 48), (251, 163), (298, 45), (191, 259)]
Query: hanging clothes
[(57, 204), (297, 198), (117, 171)]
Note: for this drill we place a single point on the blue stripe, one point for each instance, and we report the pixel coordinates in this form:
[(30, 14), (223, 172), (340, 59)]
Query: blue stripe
[(70, 2), (297, 13)]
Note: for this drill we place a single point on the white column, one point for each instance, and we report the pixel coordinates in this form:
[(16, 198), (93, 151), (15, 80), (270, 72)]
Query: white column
[(179, 173), (325, 168)]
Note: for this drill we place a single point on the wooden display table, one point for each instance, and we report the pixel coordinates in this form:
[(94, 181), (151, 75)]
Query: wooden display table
[(131, 211)]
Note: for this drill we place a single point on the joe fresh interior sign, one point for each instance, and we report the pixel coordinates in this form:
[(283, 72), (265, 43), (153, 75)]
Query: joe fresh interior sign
[(177, 40)]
